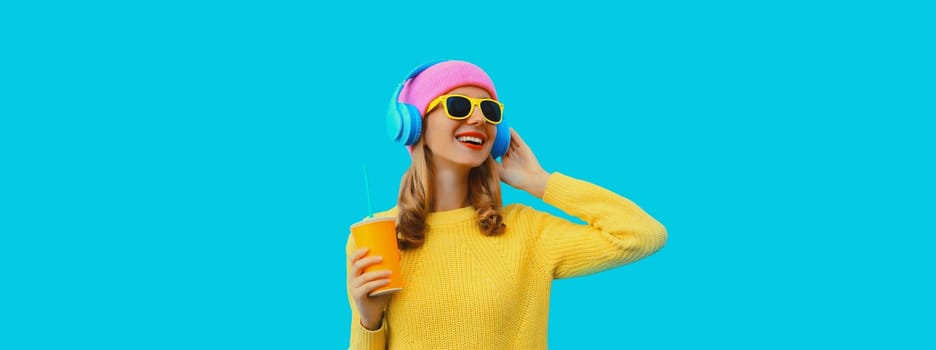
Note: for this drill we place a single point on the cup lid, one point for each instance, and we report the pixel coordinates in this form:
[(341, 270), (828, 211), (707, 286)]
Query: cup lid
[(367, 221)]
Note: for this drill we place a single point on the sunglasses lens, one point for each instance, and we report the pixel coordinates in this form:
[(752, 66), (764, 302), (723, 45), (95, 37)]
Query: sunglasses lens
[(458, 106), (492, 111)]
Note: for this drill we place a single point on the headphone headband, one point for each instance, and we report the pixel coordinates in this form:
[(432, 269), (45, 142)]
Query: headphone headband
[(412, 74)]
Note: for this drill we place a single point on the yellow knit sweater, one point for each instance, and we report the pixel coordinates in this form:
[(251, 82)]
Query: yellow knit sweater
[(465, 290)]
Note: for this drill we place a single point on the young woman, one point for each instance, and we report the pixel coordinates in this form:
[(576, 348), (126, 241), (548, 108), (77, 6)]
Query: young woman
[(477, 275)]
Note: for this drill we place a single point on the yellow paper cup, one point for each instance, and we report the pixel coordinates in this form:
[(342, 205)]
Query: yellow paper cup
[(379, 237)]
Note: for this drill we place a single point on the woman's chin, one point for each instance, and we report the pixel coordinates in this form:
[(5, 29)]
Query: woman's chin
[(472, 163), (468, 161)]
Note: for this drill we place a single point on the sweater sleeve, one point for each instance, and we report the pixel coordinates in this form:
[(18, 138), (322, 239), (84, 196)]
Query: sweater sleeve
[(616, 232), (362, 338)]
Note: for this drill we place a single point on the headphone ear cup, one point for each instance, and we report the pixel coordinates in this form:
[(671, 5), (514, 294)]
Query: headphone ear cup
[(501, 141), (412, 124), (404, 125), (395, 123)]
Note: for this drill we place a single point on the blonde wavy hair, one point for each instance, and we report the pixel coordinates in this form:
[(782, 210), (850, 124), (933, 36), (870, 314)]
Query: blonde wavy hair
[(416, 190)]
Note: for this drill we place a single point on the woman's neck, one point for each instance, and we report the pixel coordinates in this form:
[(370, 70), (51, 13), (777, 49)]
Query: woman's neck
[(450, 188)]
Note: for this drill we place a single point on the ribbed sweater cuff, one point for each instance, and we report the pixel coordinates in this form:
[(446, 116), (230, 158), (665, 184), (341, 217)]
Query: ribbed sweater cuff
[(371, 339), (560, 186)]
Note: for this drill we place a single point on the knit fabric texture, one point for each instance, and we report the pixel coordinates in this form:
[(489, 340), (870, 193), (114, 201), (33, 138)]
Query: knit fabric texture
[(465, 290), (441, 78)]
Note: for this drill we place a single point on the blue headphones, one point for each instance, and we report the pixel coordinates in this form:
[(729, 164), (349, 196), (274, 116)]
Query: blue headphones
[(404, 124)]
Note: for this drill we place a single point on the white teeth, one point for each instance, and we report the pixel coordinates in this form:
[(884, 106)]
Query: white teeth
[(471, 139)]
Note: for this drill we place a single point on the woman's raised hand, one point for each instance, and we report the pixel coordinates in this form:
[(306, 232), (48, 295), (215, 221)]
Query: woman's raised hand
[(520, 169)]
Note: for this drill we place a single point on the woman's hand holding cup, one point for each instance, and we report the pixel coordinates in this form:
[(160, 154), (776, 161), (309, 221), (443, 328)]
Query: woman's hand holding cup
[(361, 285)]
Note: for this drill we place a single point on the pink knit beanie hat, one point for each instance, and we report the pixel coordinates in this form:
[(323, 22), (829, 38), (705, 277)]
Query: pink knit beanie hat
[(441, 78)]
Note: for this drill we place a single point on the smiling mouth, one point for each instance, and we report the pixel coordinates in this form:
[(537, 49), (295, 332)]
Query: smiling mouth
[(471, 141)]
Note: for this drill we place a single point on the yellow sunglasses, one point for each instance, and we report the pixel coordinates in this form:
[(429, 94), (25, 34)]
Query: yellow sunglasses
[(460, 107)]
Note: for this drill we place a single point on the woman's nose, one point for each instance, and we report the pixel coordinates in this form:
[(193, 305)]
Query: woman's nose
[(477, 116)]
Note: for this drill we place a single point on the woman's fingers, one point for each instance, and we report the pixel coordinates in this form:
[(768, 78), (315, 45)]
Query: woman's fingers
[(357, 254), (363, 263), (370, 286), (371, 276), (514, 136), (353, 258), (514, 143), (367, 288), (365, 284), (517, 144)]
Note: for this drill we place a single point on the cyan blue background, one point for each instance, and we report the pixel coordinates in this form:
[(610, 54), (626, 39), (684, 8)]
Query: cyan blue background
[(182, 175)]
